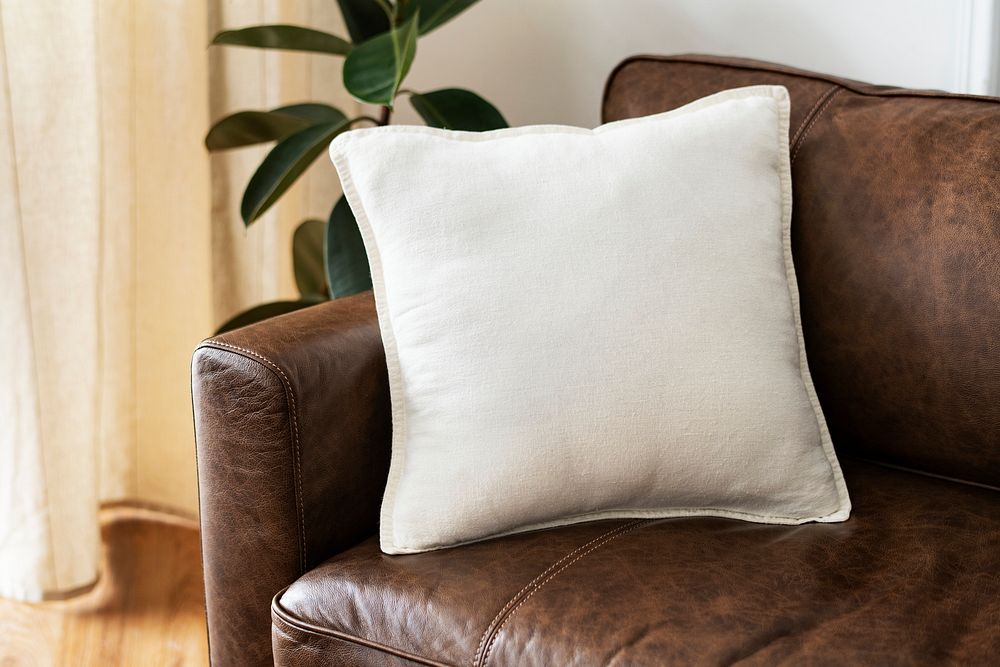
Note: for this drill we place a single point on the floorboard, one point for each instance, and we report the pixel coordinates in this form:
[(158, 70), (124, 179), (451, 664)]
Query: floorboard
[(147, 609)]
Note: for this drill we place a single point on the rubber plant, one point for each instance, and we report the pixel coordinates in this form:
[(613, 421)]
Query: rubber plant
[(328, 256)]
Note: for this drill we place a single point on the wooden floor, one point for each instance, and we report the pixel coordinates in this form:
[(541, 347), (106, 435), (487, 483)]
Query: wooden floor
[(147, 609)]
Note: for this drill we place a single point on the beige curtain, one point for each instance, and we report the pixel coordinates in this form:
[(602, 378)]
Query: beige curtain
[(121, 247)]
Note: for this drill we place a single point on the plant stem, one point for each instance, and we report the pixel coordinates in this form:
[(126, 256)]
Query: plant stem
[(383, 118), (389, 11)]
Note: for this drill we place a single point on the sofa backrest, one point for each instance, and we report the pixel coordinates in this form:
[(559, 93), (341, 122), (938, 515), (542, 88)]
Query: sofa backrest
[(896, 240)]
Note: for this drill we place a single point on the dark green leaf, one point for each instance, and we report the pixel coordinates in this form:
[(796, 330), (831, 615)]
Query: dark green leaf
[(435, 13), (287, 37), (347, 269), (308, 244), (364, 19), (251, 127), (376, 68), (266, 310), (285, 163), (457, 109), (314, 112), (245, 128)]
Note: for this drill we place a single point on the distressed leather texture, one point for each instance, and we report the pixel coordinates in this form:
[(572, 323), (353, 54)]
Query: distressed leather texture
[(293, 426), (896, 235), (683, 591)]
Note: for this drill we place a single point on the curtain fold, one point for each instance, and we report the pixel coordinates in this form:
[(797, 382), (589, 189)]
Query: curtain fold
[(122, 247), (51, 350)]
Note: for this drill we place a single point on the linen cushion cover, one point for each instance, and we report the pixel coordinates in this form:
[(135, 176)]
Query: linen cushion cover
[(590, 324)]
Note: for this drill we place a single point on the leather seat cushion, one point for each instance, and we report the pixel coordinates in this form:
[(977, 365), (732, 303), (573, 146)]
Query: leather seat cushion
[(912, 578)]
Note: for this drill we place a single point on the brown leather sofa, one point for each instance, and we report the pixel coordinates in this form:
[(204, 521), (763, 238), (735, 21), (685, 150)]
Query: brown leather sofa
[(896, 239)]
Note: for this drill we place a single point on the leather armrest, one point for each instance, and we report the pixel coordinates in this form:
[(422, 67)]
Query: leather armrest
[(293, 430)]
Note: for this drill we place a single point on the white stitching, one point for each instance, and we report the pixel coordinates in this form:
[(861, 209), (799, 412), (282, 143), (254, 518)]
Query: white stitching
[(812, 122), (812, 111), (297, 482), (489, 628), (610, 536)]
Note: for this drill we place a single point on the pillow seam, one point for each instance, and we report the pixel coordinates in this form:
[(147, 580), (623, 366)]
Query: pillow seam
[(826, 441), (387, 530), (394, 370)]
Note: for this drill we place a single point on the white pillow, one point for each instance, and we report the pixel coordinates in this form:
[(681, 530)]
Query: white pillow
[(591, 324)]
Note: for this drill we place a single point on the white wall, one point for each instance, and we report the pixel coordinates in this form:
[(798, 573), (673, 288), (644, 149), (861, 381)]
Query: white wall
[(544, 61)]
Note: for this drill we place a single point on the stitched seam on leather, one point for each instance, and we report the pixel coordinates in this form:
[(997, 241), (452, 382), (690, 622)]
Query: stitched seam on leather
[(927, 473), (513, 600), (286, 617), (812, 121), (297, 454), (812, 112), (859, 87), (611, 537)]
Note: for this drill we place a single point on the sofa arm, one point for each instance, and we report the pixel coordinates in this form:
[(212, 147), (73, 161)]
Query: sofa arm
[(293, 430)]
